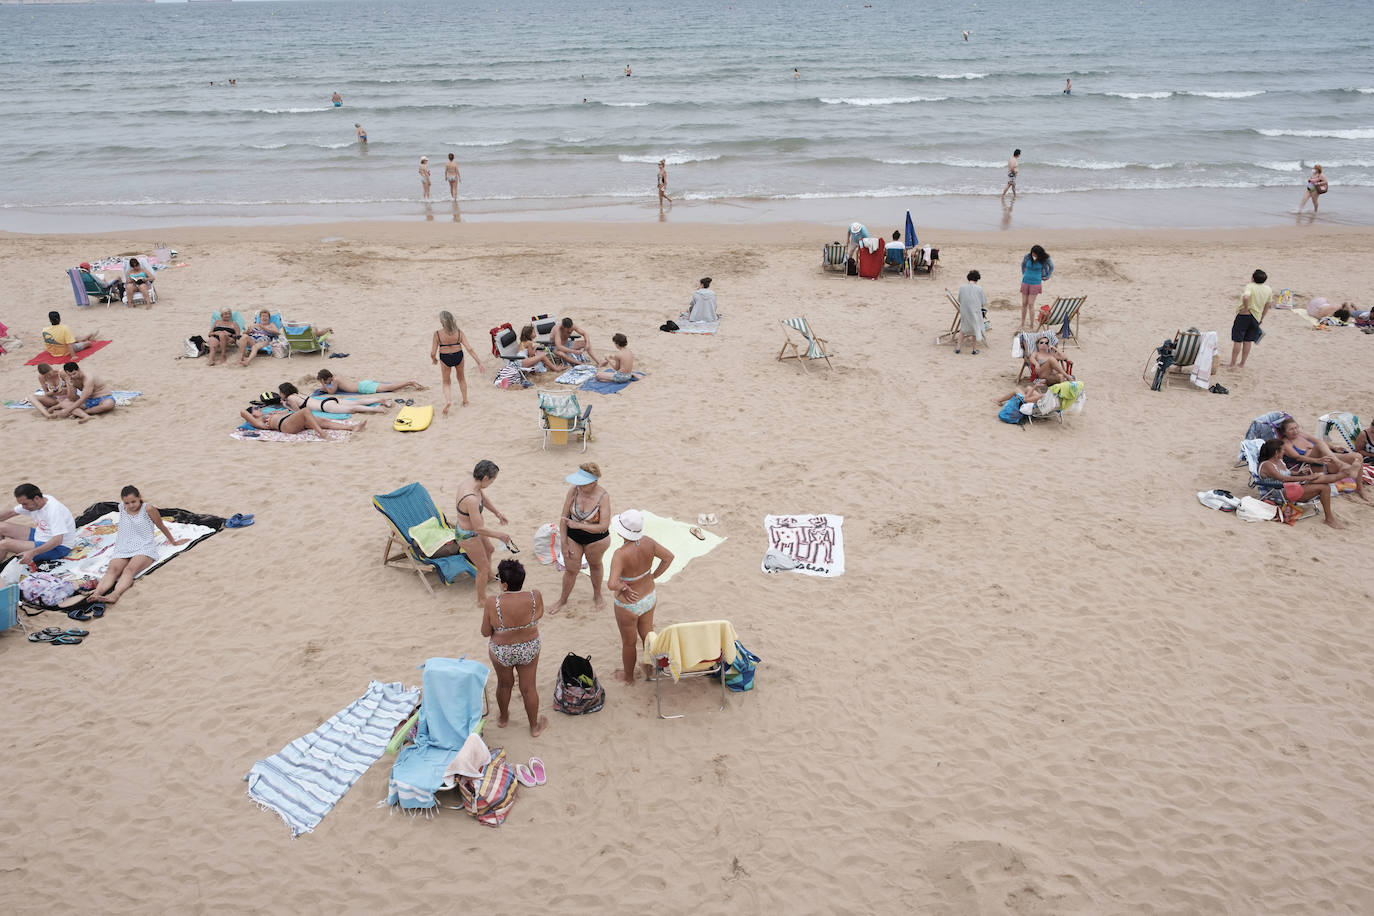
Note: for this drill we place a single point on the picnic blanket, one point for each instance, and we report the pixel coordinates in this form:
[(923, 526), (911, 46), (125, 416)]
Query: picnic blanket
[(46, 357), (97, 527), (808, 544), (305, 780), (676, 536), (122, 398), (576, 375), (600, 387)]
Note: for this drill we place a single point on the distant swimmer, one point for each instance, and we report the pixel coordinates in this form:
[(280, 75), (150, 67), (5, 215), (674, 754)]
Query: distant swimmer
[(663, 182), (337, 100), (1068, 87), (362, 134), (1013, 167), (424, 175), (452, 176), (796, 74), (966, 34), (627, 69), (233, 82)]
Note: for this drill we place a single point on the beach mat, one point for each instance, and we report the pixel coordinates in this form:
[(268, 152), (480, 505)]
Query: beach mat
[(696, 327), (601, 387), (46, 357), (576, 375), (122, 399), (809, 544), (271, 435), (676, 536)]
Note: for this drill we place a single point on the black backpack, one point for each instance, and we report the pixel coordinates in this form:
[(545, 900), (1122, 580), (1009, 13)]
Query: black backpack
[(852, 268), (577, 691)]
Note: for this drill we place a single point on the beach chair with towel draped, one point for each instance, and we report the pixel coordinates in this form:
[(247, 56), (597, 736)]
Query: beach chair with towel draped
[(871, 260), (406, 509), (895, 261), (1063, 315), (701, 649), (1345, 425), (303, 339), (9, 609), (561, 416), (833, 256), (816, 347), (1056, 399)]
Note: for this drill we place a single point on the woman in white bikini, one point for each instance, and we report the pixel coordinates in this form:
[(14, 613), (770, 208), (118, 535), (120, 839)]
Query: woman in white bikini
[(632, 583), (135, 546), (513, 643)]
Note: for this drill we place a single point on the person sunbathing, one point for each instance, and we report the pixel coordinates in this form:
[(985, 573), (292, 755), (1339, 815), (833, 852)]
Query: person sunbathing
[(529, 352), (1296, 486), (261, 334), (328, 403), (1364, 446), (295, 421), (54, 387), (338, 384), (1300, 448), (618, 366), (1046, 362), (223, 338), (1320, 308)]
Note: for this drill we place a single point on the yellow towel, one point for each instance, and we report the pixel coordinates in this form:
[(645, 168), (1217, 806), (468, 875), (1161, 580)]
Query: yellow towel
[(430, 535), (687, 645)]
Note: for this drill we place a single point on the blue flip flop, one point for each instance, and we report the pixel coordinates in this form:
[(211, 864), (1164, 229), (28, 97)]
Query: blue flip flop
[(238, 520)]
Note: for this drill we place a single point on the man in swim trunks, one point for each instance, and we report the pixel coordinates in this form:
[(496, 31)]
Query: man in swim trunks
[(52, 535), (338, 384), (1013, 168), (337, 100), (86, 395), (619, 366), (452, 176), (568, 349)]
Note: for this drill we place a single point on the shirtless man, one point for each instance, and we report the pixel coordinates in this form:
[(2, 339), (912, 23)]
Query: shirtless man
[(473, 536), (619, 366), (337, 100), (362, 134), (86, 395), (569, 350), (452, 176), (54, 386), (1013, 169), (338, 384)]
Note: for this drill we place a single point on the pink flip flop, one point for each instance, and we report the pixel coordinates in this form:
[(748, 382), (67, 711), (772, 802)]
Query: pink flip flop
[(536, 770), (524, 776)]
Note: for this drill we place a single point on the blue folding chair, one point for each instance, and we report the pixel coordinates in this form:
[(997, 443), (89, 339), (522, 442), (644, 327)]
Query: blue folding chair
[(404, 509)]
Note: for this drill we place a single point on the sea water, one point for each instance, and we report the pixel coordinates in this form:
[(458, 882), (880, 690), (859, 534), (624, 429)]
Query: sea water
[(1213, 112)]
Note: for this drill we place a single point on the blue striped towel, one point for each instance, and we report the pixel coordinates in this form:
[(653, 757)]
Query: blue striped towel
[(306, 779)]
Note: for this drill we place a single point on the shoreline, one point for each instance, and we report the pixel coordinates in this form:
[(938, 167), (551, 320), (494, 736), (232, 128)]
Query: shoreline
[(1206, 208)]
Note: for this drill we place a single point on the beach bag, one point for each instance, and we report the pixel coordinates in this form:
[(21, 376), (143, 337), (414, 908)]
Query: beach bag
[(279, 348), (669, 326), (46, 590), (852, 268), (577, 691), (1011, 411), (489, 797), (739, 676), (196, 346)]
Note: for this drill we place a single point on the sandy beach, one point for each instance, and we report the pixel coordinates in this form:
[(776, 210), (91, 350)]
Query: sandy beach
[(1050, 681)]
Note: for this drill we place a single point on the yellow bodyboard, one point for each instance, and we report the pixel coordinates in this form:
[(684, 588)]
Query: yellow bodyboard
[(413, 419)]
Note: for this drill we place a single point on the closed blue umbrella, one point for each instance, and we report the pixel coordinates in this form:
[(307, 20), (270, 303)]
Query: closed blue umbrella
[(911, 240)]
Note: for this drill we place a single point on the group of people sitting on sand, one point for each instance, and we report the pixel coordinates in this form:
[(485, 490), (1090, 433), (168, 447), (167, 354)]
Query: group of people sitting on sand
[(1304, 466)]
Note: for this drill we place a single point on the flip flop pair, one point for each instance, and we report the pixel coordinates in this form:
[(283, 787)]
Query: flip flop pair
[(59, 637), (87, 611), (531, 775), (238, 520)]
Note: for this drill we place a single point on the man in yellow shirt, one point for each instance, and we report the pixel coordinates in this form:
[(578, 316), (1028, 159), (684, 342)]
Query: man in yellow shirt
[(60, 340), (1254, 305)]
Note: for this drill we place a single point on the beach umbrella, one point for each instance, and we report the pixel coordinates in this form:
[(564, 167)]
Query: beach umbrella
[(911, 240)]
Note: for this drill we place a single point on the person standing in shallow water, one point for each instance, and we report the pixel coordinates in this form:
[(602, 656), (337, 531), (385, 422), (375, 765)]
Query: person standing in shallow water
[(452, 177), (424, 176), (1013, 169), (663, 182)]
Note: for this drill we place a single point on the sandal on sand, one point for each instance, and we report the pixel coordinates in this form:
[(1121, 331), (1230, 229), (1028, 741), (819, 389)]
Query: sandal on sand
[(97, 608), (79, 613), (537, 770), (65, 641), (696, 533), (524, 776)]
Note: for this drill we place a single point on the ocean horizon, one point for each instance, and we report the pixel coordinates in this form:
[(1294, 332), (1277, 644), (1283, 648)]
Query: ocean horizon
[(1168, 123)]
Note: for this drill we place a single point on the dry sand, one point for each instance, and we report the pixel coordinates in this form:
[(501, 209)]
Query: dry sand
[(1050, 681)]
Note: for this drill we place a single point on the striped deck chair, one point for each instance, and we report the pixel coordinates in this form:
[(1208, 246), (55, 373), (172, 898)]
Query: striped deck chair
[(1028, 339), (1063, 316), (1346, 426), (833, 256), (816, 347), (1186, 346)]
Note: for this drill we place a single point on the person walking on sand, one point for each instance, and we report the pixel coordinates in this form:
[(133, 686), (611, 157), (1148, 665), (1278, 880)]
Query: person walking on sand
[(1013, 167), (452, 177), (513, 643), (631, 581), (362, 134), (1316, 186), (447, 348), (1254, 305), (424, 176), (663, 182)]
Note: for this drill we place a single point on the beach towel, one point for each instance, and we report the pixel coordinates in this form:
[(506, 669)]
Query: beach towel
[(600, 387), (46, 357), (808, 544), (576, 375), (697, 327), (1201, 374), (676, 536), (450, 711), (686, 647), (271, 435), (305, 780), (122, 398)]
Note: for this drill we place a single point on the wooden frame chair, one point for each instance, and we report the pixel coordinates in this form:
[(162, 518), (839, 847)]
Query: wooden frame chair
[(404, 509), (1186, 346), (816, 347), (1065, 310)]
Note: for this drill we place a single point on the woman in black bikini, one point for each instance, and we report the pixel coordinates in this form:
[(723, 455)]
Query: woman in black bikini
[(328, 403), (224, 337), (295, 421), (448, 346), (583, 531)]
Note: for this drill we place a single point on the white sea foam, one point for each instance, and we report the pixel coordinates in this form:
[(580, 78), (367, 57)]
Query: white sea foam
[(1280, 166), (953, 163), (1140, 95), (892, 100), (669, 158), (1227, 95), (1354, 133), (333, 145), (626, 104), (479, 142), (1087, 164), (284, 110), (960, 76), (268, 145)]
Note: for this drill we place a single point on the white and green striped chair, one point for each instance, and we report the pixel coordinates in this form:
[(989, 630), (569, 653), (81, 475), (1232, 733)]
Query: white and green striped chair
[(1064, 315), (816, 347)]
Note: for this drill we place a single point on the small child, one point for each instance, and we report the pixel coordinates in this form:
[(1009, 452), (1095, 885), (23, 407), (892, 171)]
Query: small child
[(619, 366)]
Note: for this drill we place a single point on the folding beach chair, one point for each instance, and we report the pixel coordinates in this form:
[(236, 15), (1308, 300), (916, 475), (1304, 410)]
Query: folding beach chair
[(1346, 425), (543, 330), (505, 343), (303, 339), (917, 263), (1028, 339), (561, 416), (9, 609), (1064, 396), (1270, 490), (895, 260), (952, 334), (453, 704), (816, 347), (833, 256), (1186, 346), (1063, 316), (86, 287), (701, 649), (404, 509)]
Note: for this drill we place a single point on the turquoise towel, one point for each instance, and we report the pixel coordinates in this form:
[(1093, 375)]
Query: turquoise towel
[(450, 708)]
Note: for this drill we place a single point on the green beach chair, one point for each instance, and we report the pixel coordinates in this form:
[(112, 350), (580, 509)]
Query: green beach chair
[(303, 339)]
